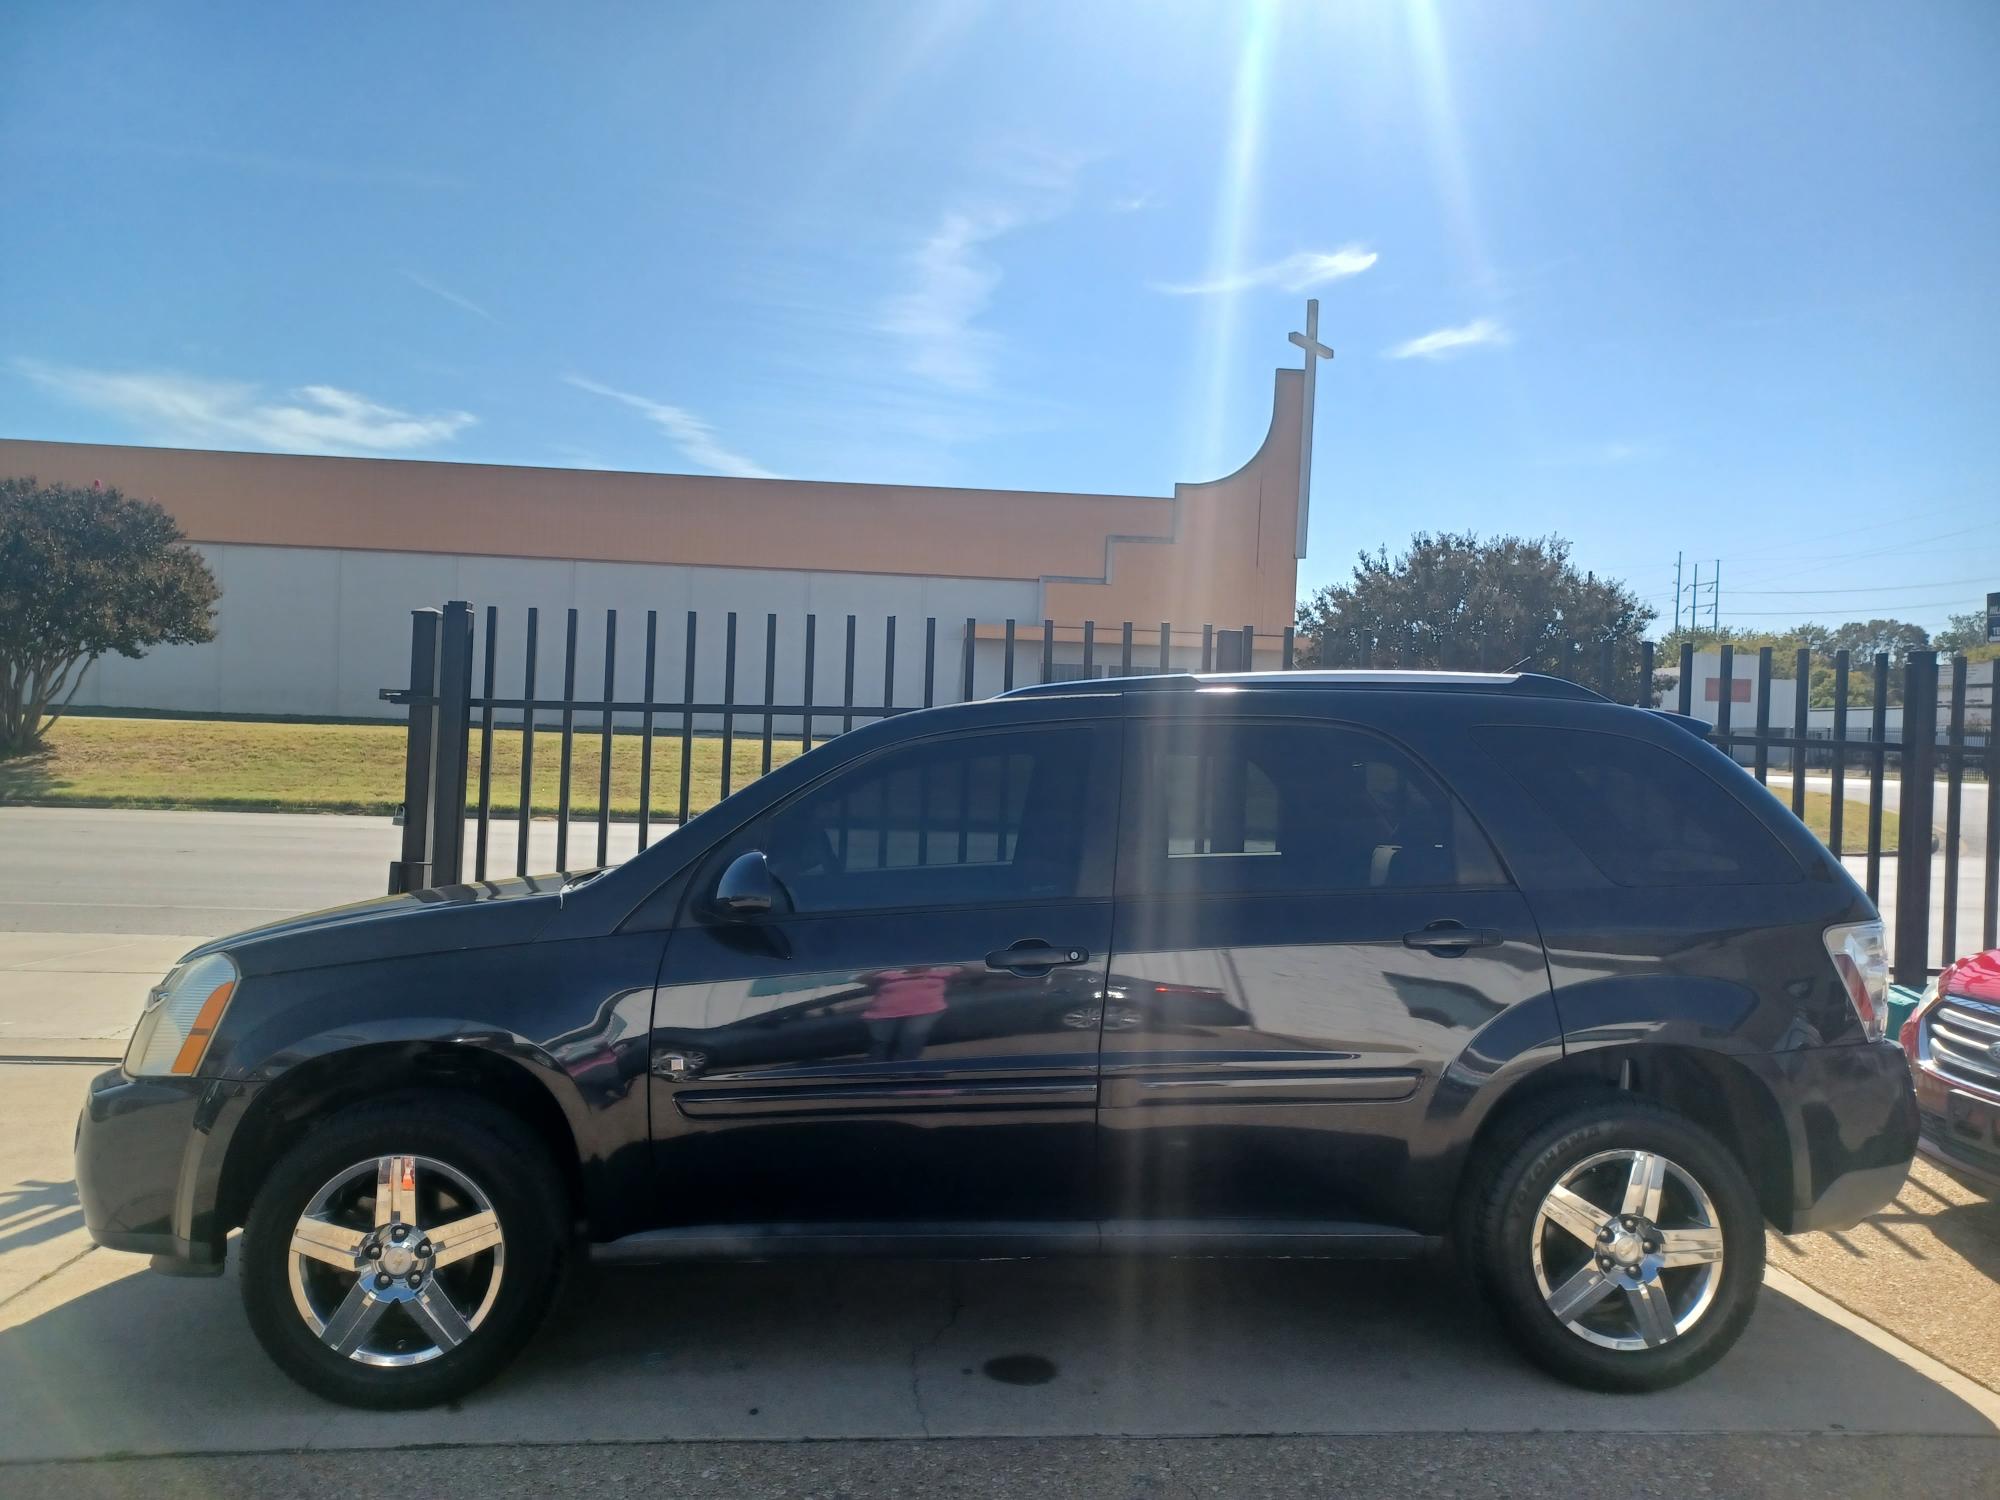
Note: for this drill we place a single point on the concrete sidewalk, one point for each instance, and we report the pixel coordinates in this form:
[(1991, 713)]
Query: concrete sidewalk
[(103, 1357), (100, 1357)]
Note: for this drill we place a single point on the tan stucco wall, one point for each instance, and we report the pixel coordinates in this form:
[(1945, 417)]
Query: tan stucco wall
[(1218, 552)]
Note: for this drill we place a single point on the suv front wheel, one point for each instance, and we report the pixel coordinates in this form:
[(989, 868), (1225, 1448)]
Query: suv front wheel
[(1623, 1244), (403, 1251)]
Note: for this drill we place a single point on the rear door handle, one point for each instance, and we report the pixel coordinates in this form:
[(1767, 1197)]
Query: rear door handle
[(1032, 956), (1451, 938)]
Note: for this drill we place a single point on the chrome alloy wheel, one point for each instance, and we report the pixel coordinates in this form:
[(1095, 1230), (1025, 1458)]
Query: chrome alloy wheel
[(396, 1260), (1639, 1273)]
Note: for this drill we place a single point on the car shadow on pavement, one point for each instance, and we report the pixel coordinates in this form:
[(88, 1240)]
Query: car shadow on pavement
[(33, 1210), (105, 1359)]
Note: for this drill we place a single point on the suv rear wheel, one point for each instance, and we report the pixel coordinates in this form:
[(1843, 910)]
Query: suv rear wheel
[(1623, 1244), (403, 1251)]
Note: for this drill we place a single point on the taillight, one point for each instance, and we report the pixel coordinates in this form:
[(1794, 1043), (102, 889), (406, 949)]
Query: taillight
[(1861, 959)]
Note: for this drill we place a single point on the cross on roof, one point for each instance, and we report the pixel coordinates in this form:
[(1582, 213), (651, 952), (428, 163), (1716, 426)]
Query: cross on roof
[(1315, 352)]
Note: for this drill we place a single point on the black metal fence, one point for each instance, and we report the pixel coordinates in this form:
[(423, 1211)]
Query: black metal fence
[(1932, 749), (661, 691)]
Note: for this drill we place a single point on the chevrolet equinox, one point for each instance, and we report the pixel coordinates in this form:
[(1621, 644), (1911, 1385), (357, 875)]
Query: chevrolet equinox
[(1302, 964)]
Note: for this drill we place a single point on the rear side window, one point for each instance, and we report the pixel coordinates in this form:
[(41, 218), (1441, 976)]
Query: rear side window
[(1640, 813), (1228, 808)]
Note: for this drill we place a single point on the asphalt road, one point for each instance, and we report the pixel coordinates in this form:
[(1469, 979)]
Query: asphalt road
[(1685, 1466), (133, 872)]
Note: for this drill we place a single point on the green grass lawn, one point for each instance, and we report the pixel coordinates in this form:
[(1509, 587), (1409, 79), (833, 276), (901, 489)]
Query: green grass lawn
[(1853, 821), (352, 768)]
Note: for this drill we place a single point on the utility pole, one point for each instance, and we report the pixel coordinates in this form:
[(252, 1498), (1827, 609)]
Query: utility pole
[(1693, 592)]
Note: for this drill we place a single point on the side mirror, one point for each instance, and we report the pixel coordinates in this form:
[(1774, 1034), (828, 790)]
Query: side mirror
[(747, 889)]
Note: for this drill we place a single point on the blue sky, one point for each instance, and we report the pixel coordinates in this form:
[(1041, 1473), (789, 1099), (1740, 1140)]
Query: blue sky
[(1710, 278)]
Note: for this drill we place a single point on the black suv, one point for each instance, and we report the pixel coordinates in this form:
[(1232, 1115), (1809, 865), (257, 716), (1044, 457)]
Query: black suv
[(1345, 964)]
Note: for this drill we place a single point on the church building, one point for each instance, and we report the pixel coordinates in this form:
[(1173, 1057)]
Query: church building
[(321, 560)]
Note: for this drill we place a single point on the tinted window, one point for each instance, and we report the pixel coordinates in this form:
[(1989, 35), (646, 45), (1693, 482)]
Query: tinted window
[(1224, 807), (983, 819), (1642, 814)]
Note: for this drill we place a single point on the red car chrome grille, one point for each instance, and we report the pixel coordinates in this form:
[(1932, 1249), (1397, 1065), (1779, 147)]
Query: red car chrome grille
[(1964, 1038)]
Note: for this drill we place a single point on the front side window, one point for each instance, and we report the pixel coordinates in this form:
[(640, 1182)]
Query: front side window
[(1639, 812), (1292, 806), (984, 819)]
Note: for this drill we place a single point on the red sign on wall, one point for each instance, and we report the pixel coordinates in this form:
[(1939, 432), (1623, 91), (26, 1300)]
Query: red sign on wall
[(1739, 690)]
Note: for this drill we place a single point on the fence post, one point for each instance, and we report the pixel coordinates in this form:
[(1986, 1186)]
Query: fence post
[(1911, 965), (454, 741), (412, 872), (1763, 751)]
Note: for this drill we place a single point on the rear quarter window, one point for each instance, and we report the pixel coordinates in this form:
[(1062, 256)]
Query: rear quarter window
[(1640, 813)]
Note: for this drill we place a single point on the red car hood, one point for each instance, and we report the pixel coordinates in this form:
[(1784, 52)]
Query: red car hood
[(1976, 978)]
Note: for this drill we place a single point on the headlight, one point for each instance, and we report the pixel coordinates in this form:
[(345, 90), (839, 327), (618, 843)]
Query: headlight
[(181, 1014)]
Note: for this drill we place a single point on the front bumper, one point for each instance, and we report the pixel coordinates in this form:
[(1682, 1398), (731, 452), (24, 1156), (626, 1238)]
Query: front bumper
[(1961, 1130), (149, 1154), (1851, 1116)]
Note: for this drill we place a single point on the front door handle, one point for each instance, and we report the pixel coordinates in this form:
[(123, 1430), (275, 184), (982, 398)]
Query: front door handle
[(1451, 938), (1031, 957)]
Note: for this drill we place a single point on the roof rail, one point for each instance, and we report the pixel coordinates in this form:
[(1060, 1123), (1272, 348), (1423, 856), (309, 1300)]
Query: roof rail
[(1526, 684)]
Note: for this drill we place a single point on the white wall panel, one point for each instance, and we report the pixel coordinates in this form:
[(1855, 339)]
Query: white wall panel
[(318, 632)]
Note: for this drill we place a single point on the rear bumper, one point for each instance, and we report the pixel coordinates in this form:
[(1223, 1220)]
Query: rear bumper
[(149, 1155), (1851, 1116)]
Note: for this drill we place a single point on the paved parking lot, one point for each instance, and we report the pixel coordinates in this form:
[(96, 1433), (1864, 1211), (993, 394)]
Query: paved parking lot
[(1863, 1367), (101, 1357)]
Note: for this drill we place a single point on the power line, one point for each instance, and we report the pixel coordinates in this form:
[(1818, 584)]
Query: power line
[(1875, 551), (1751, 557), (1886, 588), (1793, 614)]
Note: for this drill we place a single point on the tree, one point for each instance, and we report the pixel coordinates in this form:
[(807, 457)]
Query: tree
[(1867, 638), (1861, 639), (83, 572), (1965, 635), (1453, 600)]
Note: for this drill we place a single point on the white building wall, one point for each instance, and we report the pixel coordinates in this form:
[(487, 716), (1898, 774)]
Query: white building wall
[(318, 632)]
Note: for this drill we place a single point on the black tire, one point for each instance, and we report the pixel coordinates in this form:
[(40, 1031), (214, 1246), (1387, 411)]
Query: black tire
[(1519, 1176), (489, 1149)]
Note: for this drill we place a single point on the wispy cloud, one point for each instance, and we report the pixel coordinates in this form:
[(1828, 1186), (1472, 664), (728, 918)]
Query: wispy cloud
[(954, 279), (1295, 273), (455, 299), (953, 272), (1443, 343), (189, 410), (1132, 203), (692, 436)]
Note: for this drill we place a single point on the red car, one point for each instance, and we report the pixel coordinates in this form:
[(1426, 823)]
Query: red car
[(1953, 1041)]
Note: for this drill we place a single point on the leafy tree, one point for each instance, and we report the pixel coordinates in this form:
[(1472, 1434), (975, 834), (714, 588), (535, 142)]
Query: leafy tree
[(1867, 638), (1862, 639), (83, 572), (1454, 600), (1965, 635)]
